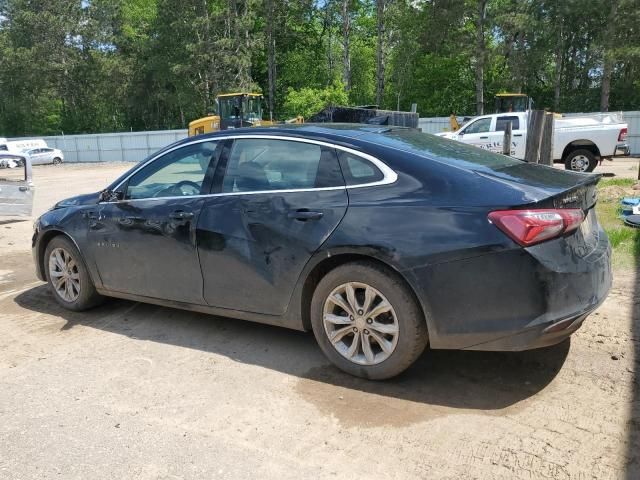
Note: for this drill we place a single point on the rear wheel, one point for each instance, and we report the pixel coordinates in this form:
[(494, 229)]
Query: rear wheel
[(68, 277), (57, 161), (581, 161), (367, 321)]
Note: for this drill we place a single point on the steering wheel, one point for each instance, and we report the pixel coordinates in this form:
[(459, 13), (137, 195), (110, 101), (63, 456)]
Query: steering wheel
[(182, 188)]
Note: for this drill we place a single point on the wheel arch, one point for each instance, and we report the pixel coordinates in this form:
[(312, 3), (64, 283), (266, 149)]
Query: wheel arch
[(45, 239), (328, 262), (582, 144)]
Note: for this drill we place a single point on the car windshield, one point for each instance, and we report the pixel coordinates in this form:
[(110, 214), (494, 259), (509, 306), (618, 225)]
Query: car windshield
[(441, 149)]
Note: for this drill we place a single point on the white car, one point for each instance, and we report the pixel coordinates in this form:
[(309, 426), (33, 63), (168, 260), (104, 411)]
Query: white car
[(579, 141), (45, 156)]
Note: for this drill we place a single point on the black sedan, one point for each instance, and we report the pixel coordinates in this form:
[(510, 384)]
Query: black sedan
[(380, 240)]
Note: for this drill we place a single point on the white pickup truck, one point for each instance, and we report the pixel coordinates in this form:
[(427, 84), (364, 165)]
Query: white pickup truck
[(579, 141)]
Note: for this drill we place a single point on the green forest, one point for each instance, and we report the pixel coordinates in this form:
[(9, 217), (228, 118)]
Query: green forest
[(75, 66)]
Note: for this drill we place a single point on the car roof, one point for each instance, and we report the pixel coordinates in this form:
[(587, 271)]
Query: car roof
[(333, 132)]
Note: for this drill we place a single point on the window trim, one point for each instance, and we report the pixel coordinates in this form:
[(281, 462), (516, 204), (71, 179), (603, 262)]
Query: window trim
[(388, 175)]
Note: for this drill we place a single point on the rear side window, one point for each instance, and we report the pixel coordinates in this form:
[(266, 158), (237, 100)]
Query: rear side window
[(265, 164), (501, 123), (358, 170)]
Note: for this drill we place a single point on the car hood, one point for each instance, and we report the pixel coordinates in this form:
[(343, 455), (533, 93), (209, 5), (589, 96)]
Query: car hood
[(86, 199), (445, 134)]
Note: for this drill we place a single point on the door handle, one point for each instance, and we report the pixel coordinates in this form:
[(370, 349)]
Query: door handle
[(484, 138), (181, 215), (303, 215), (23, 188), (518, 135)]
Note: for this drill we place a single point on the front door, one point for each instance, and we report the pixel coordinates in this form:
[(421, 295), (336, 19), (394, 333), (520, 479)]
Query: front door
[(145, 243), (278, 202), (477, 133), (16, 187)]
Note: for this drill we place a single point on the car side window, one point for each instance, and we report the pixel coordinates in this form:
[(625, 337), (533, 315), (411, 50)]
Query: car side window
[(265, 164), (180, 172), (358, 170), (479, 126), (501, 123), (12, 169)]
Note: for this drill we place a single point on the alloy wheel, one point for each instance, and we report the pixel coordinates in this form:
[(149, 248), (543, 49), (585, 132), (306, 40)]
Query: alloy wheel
[(360, 323), (64, 275)]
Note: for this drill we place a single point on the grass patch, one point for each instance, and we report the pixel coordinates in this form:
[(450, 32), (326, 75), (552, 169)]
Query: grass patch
[(618, 182), (625, 240)]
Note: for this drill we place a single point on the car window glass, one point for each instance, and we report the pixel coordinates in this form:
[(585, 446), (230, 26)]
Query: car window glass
[(501, 123), (479, 126), (265, 164), (12, 169), (358, 170), (177, 173)]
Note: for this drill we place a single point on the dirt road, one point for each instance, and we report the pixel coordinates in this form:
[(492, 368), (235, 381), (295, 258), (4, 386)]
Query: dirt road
[(136, 391)]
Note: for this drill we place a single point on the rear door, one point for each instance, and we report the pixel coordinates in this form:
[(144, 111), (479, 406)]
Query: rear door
[(278, 201), (518, 132), (16, 186), (46, 155)]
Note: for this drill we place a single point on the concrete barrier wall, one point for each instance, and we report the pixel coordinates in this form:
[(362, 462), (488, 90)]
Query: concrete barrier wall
[(112, 147), (136, 146)]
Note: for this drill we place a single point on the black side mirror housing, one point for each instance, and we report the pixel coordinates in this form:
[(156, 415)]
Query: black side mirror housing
[(110, 196)]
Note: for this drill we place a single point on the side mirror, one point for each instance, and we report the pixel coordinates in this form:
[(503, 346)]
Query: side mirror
[(110, 196)]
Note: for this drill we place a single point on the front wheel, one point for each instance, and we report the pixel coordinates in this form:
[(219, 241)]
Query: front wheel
[(367, 321), (68, 276), (581, 161), (57, 161)]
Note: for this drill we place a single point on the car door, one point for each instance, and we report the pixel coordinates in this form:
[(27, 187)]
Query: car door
[(518, 138), (278, 201), (477, 133), (143, 240), (37, 158), (16, 186), (46, 155)]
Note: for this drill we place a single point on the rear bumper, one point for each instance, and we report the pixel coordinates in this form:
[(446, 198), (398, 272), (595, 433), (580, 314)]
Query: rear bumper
[(516, 299), (623, 150)]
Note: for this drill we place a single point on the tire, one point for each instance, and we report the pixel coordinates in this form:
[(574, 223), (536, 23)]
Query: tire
[(82, 293), (405, 318), (57, 161), (581, 161)]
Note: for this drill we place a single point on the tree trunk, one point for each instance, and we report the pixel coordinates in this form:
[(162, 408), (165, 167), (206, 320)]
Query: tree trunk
[(346, 52), (380, 13), (558, 71), (271, 57), (480, 56), (609, 60)]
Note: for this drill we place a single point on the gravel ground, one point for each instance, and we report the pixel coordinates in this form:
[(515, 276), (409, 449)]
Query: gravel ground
[(137, 391)]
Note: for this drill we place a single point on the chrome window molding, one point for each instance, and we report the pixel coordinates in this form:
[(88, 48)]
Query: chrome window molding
[(388, 175)]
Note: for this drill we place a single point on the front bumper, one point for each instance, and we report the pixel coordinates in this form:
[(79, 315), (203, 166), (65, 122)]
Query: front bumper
[(517, 299)]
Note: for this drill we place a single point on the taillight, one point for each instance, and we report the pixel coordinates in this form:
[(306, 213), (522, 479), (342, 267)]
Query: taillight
[(528, 227), (623, 134)]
